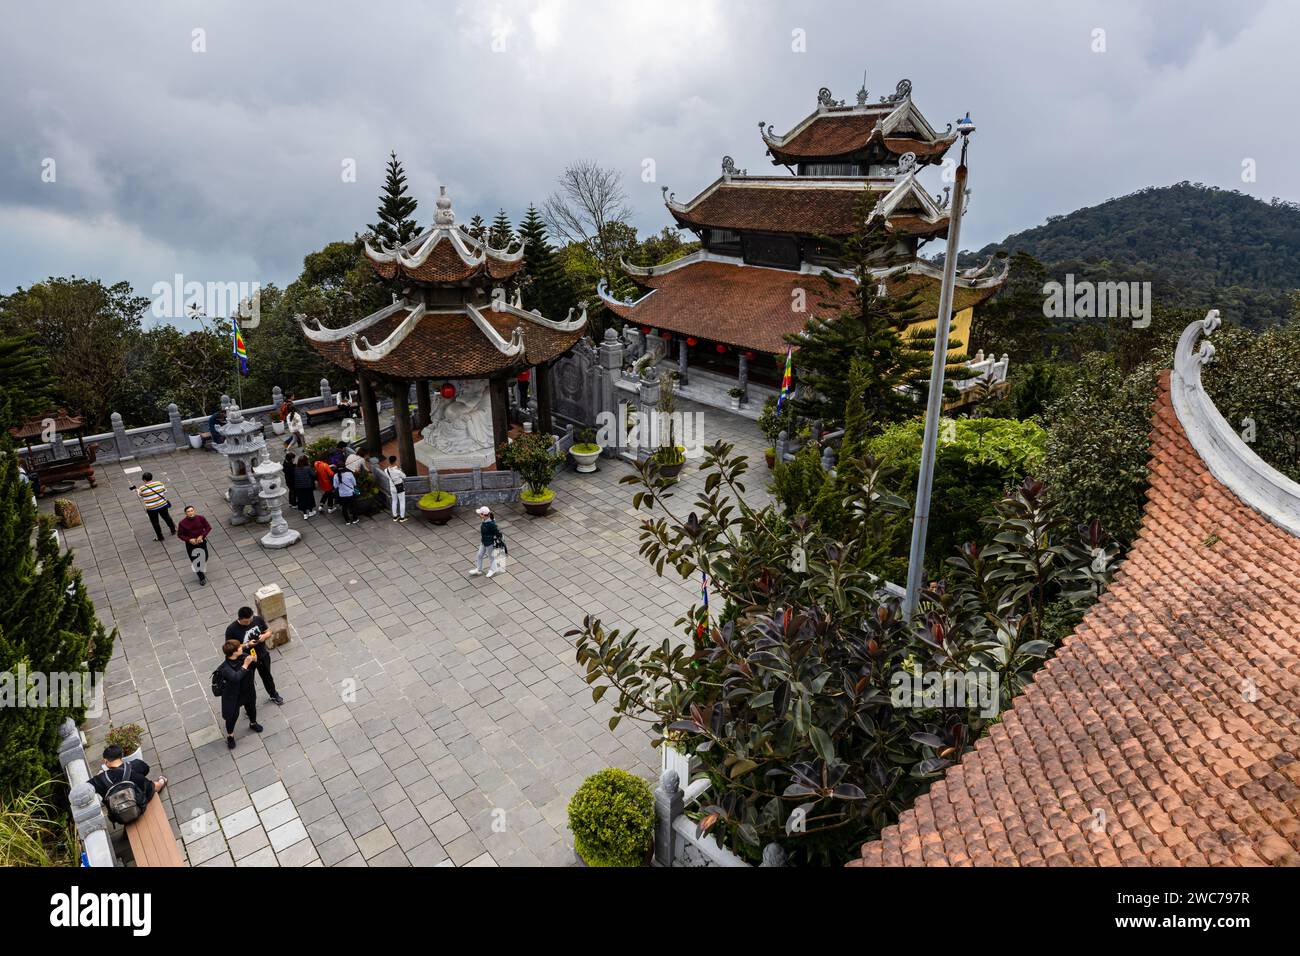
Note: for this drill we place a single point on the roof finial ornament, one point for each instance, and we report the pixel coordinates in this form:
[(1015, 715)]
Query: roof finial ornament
[(862, 93), (906, 163), (903, 91), (729, 169), (825, 100), (444, 216)]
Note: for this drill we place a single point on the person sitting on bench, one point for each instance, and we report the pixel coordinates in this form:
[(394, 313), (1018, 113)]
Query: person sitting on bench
[(124, 786)]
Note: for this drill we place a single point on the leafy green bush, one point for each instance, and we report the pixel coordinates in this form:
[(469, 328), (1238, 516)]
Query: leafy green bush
[(320, 448), (33, 832), (436, 499), (530, 454), (612, 817), (127, 736), (771, 422)]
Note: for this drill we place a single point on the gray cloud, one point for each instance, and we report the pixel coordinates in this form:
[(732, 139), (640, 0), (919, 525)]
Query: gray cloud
[(225, 165)]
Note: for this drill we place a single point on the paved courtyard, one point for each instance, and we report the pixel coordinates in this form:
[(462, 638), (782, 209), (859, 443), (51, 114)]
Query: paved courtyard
[(430, 718)]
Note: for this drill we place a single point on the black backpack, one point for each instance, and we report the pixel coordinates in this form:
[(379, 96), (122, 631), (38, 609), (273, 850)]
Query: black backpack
[(124, 799), (219, 681)]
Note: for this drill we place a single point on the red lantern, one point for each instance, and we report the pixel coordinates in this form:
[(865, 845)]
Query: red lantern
[(750, 356), (665, 335), (448, 391), (721, 348), (645, 330), (692, 342)]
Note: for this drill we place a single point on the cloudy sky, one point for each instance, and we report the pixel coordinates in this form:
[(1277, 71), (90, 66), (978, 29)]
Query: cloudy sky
[(210, 139)]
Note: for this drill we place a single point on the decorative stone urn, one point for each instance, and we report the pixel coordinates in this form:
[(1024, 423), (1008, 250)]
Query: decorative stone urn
[(271, 478), (585, 457)]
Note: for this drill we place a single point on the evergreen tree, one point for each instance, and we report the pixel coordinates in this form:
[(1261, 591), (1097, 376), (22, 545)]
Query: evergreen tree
[(47, 627), (477, 227), (500, 234), (869, 326), (547, 286), (24, 382), (395, 224), (1013, 321)]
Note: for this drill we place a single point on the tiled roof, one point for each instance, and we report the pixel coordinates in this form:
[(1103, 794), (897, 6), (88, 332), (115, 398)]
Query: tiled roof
[(831, 135), (783, 208), (1166, 729), (36, 427), (444, 264), (449, 345)]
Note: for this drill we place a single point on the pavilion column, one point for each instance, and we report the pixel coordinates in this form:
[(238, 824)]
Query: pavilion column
[(544, 418), (498, 387), (681, 359), (422, 411), (370, 415), (742, 379), (402, 424)]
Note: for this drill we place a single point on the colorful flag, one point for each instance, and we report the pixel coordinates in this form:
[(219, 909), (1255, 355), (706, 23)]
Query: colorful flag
[(787, 380), (241, 350)]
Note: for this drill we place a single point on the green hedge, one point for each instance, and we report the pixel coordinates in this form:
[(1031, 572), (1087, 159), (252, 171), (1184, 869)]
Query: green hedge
[(612, 817)]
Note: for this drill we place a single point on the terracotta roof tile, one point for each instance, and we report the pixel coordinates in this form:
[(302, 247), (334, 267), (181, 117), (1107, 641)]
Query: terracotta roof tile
[(1144, 713)]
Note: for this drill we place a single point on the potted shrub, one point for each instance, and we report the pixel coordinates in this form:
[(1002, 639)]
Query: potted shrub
[(194, 436), (531, 456), (771, 423), (128, 737), (612, 817), (437, 506), (368, 500), (277, 422), (736, 394), (586, 451), (670, 458)]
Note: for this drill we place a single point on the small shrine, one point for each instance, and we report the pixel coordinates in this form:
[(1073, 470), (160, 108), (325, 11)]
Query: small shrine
[(244, 448), (458, 332)]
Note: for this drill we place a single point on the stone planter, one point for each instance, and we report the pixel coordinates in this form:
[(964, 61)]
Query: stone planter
[(585, 459), (277, 427), (439, 515), (196, 441), (538, 506)]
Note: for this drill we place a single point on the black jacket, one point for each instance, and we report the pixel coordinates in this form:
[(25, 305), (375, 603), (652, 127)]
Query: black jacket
[(137, 770), (304, 478), (238, 688)]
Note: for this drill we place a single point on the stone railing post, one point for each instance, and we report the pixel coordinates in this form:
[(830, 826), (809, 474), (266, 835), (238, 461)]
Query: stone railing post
[(326, 393), (178, 426), (120, 438), (87, 809), (277, 399), (773, 855), (669, 804), (608, 420), (828, 459), (782, 446), (271, 608), (648, 399), (225, 401)]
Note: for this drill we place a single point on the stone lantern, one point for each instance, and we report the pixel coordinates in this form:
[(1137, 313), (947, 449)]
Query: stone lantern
[(244, 447), (272, 495)]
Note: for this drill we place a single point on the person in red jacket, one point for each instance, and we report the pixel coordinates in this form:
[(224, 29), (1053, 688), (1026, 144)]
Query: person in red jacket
[(325, 484), (193, 530)]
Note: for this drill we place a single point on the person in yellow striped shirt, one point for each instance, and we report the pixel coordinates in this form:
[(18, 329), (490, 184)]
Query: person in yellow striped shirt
[(156, 504)]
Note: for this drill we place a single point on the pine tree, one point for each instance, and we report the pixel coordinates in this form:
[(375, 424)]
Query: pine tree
[(395, 224), (870, 326), (547, 286), (47, 626), (24, 380), (500, 234), (477, 228), (1013, 321)]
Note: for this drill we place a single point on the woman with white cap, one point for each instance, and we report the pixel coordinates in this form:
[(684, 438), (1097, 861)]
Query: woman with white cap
[(489, 540)]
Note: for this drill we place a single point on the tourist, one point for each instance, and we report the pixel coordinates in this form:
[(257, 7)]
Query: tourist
[(289, 464), (134, 774), (296, 433), (215, 419), (304, 479), (354, 462), (325, 484), (193, 531), (345, 486), (156, 506), (286, 408), (490, 538), (251, 631), (338, 455), (234, 679), (396, 489)]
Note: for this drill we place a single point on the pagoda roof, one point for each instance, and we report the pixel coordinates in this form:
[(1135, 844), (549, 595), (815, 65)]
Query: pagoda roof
[(1141, 714), (411, 340), (446, 254), (834, 130), (59, 421), (722, 299), (810, 205)]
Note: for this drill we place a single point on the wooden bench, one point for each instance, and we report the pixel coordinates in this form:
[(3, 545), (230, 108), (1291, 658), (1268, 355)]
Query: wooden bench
[(152, 841), (323, 414)]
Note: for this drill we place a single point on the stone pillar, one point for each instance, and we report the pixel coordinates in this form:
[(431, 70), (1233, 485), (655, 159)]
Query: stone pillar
[(669, 804), (370, 416), (681, 360), (782, 446), (773, 855), (402, 424), (498, 388), (92, 827), (225, 401), (648, 399), (326, 393), (609, 422), (277, 399), (742, 379), (422, 403), (120, 439), (178, 426), (272, 609), (828, 459), (542, 373)]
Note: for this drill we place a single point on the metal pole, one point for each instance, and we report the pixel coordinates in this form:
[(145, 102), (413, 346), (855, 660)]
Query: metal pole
[(934, 407)]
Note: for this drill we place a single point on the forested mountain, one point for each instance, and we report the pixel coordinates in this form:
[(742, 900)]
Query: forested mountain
[(1199, 246)]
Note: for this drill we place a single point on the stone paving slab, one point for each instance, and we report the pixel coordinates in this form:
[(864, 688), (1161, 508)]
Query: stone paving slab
[(421, 704)]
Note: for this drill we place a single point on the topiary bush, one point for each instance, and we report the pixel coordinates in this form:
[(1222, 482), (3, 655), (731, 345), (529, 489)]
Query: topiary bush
[(612, 817)]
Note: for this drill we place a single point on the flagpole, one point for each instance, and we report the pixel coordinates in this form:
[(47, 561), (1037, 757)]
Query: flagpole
[(234, 348), (934, 405)]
